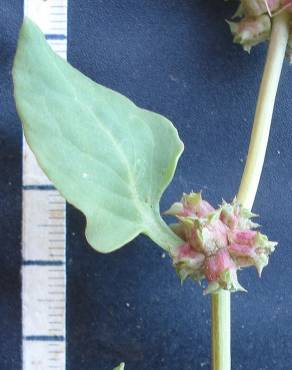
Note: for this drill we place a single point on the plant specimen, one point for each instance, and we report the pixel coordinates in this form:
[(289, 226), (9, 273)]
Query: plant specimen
[(120, 367), (113, 161)]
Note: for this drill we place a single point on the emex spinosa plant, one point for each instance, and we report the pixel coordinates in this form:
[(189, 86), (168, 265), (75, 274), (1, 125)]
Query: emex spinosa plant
[(113, 161)]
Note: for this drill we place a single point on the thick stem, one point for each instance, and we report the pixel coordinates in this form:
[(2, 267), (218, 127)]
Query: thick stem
[(221, 339)]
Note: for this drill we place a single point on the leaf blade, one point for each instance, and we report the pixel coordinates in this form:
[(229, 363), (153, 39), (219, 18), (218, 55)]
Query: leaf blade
[(107, 157), (120, 367)]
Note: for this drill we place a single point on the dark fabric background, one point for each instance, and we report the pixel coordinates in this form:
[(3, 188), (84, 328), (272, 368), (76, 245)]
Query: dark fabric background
[(175, 57)]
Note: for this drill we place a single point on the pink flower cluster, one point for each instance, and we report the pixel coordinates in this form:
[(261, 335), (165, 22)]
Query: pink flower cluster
[(253, 22), (218, 242)]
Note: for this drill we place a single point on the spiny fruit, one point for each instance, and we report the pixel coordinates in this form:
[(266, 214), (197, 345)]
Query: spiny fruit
[(217, 242)]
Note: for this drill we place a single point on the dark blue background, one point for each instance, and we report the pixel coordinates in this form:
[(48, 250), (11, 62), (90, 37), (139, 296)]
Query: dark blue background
[(175, 57)]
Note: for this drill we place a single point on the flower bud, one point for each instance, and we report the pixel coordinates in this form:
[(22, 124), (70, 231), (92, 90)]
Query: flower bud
[(188, 262), (217, 263), (236, 217), (254, 24), (217, 242), (251, 31), (190, 205)]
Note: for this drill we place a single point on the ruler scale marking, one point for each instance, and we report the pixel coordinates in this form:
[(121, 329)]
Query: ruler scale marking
[(43, 231)]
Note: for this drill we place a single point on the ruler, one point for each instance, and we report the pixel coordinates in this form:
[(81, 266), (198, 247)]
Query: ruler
[(44, 231)]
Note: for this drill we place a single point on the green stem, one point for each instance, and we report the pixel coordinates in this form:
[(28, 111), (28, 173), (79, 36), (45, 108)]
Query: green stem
[(221, 338), (264, 111)]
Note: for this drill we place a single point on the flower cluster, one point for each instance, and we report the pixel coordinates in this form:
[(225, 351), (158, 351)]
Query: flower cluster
[(217, 242), (253, 22)]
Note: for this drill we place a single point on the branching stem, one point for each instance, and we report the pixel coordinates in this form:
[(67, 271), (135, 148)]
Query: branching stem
[(221, 357)]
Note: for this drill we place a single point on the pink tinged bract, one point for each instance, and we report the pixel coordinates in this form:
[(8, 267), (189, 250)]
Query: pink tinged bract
[(245, 237), (199, 208), (216, 264), (218, 231), (204, 208), (241, 250), (186, 253)]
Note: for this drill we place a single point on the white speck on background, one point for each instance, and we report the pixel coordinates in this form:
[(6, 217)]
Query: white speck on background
[(173, 78)]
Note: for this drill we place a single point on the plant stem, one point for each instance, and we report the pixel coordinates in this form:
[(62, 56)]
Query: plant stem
[(221, 338), (264, 111)]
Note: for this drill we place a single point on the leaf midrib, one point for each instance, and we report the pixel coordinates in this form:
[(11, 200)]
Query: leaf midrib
[(133, 187)]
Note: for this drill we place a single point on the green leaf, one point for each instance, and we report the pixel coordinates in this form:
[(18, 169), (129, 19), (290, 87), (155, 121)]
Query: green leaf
[(107, 157), (120, 367)]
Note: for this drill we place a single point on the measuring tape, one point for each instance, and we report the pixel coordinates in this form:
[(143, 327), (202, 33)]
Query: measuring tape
[(44, 231)]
